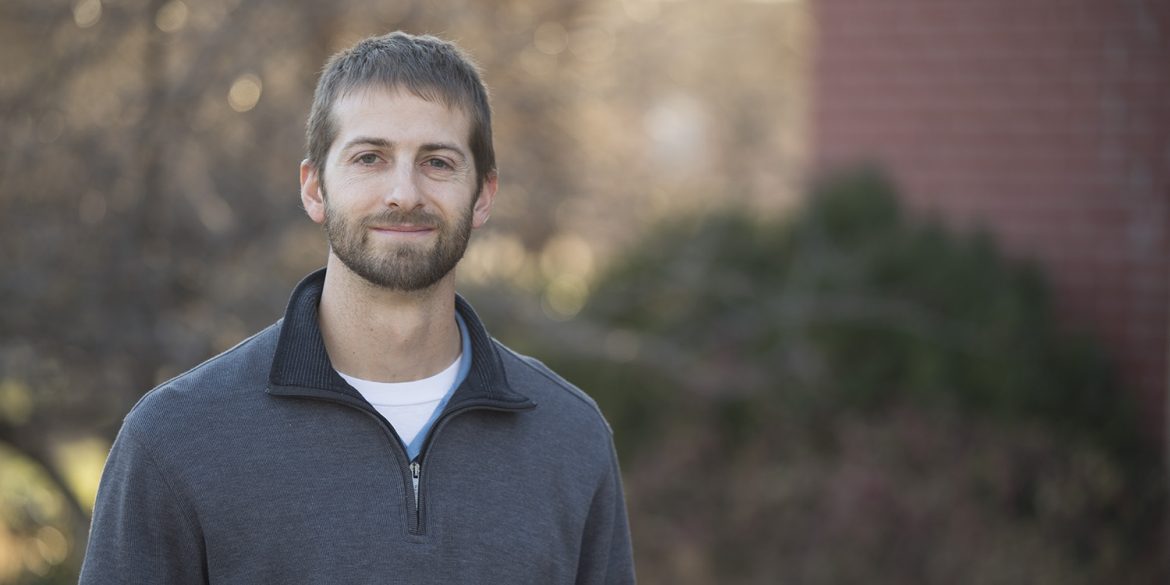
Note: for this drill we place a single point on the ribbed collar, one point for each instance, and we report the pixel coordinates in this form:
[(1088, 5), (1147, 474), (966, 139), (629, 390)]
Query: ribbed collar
[(301, 366)]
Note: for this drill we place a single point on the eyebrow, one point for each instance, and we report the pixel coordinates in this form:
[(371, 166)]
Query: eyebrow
[(433, 146), (383, 143), (379, 142)]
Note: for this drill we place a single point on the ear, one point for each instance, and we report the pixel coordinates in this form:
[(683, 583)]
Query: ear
[(312, 195), (483, 204)]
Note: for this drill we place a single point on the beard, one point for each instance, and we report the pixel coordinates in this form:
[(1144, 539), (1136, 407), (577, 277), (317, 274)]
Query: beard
[(407, 266)]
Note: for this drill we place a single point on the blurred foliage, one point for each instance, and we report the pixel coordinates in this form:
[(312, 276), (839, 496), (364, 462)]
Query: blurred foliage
[(852, 395), (858, 308), (30, 516)]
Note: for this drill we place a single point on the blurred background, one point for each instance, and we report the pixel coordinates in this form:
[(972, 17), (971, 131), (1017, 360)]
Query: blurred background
[(871, 292)]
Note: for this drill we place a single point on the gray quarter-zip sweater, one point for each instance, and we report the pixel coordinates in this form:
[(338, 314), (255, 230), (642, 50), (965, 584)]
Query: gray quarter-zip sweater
[(263, 466)]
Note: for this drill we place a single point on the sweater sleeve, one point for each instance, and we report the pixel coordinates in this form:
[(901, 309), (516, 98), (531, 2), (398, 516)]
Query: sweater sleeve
[(142, 532), (606, 551)]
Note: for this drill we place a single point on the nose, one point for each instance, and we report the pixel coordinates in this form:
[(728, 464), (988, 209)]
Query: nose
[(404, 191)]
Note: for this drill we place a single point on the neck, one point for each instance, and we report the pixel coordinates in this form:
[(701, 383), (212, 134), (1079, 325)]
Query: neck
[(386, 335)]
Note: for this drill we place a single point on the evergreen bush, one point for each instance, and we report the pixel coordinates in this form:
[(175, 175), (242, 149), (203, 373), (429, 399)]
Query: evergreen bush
[(852, 394)]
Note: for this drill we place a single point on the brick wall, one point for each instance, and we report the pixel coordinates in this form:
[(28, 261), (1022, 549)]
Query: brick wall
[(1047, 121)]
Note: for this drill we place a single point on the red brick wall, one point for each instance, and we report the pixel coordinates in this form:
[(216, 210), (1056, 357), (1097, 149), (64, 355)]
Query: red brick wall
[(1048, 121)]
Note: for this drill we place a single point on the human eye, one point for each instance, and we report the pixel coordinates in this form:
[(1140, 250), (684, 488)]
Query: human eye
[(438, 164), (367, 159)]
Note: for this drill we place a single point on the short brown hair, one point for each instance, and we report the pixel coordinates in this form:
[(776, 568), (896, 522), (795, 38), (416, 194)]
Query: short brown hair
[(426, 66)]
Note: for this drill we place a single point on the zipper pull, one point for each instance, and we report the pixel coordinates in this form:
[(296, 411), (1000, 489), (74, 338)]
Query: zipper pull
[(415, 471)]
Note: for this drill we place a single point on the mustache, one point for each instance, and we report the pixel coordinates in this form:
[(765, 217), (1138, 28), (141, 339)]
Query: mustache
[(390, 217)]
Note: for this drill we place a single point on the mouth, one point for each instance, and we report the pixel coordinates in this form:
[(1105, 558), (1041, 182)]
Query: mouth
[(403, 229)]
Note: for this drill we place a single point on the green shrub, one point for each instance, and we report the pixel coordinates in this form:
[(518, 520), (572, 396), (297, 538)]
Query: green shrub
[(851, 394), (849, 306)]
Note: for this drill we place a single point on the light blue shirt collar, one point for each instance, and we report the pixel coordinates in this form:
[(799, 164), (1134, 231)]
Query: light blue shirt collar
[(412, 450)]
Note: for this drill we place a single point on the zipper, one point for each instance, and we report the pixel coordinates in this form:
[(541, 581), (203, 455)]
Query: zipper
[(415, 473), (414, 468), (417, 527)]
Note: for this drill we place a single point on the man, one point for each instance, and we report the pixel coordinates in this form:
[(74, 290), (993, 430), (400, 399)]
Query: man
[(377, 433)]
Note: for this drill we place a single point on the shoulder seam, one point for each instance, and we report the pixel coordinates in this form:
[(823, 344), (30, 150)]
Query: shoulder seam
[(559, 382), (152, 462), (202, 364)]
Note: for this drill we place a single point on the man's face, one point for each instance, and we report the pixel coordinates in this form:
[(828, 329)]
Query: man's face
[(397, 197)]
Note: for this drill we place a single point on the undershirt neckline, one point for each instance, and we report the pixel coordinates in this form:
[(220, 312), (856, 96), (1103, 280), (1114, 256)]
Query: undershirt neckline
[(413, 413)]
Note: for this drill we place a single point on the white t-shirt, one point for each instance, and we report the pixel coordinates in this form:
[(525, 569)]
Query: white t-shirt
[(407, 405)]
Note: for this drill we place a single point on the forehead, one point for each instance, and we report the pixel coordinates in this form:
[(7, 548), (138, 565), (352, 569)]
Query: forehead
[(399, 116)]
